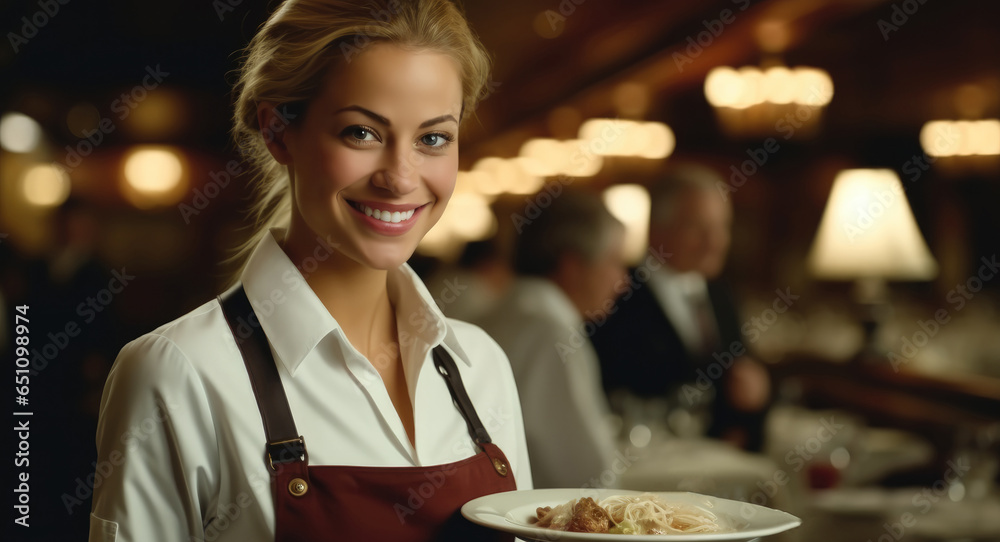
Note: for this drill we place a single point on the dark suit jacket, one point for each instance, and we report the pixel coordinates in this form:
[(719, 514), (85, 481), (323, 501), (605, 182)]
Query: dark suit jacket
[(640, 351)]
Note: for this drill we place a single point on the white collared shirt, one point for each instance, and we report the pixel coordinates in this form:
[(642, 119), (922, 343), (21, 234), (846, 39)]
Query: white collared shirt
[(676, 293), (180, 439), (558, 376)]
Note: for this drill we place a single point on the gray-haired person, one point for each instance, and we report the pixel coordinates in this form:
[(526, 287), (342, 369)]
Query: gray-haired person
[(569, 263), (678, 335)]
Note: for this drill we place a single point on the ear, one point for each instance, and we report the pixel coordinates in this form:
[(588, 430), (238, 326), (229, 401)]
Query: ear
[(273, 127)]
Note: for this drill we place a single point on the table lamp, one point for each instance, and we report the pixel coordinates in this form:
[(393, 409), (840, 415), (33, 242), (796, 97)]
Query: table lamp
[(868, 235)]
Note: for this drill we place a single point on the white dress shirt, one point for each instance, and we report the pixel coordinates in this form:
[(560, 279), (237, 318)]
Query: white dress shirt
[(180, 439), (678, 294), (558, 376)]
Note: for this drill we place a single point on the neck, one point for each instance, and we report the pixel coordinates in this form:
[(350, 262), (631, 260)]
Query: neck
[(354, 294)]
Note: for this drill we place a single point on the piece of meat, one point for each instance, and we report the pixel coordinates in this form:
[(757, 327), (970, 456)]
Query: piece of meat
[(555, 518), (589, 517)]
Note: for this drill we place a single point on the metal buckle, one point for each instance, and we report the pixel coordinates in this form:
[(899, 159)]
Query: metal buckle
[(296, 445)]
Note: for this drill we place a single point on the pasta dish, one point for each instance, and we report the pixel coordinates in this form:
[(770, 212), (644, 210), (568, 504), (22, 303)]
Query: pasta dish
[(629, 514)]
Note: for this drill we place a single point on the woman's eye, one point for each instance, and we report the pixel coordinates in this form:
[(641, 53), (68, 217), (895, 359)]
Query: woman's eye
[(435, 140), (360, 133)]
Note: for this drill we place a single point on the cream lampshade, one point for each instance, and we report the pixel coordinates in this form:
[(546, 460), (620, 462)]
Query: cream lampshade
[(868, 235), (868, 231)]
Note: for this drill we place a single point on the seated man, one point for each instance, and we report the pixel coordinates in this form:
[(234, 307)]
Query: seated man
[(679, 320), (569, 260)]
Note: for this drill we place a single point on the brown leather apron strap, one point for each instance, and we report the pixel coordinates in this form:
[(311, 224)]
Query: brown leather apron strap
[(447, 368), (284, 444)]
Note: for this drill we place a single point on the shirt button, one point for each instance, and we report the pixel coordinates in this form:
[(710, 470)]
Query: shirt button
[(298, 487)]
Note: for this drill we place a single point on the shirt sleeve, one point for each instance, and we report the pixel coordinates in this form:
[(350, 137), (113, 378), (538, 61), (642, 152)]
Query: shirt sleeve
[(566, 415), (156, 448)]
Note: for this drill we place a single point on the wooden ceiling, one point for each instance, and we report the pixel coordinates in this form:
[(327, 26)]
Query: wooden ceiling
[(883, 86), (889, 77)]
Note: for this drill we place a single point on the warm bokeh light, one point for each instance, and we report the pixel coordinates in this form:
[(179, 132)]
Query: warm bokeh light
[(154, 175), (616, 137), (542, 156), (815, 87), (961, 138), (659, 141), (749, 86), (984, 137), (608, 137), (545, 157), (579, 159), (439, 242), (498, 175), (45, 185), (868, 231), (479, 181), (522, 181), (753, 87), (779, 85), (630, 204), (153, 170), (467, 218), (490, 166), (723, 87), (19, 132)]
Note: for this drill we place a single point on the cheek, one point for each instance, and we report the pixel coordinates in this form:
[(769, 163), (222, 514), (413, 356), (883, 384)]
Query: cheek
[(440, 175), (332, 170), (344, 167)]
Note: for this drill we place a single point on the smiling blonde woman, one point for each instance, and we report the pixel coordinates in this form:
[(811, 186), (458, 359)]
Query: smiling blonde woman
[(324, 396)]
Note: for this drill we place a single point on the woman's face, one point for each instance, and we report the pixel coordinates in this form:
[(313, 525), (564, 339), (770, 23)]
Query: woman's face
[(374, 161)]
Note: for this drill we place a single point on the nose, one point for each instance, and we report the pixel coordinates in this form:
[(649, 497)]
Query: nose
[(399, 173)]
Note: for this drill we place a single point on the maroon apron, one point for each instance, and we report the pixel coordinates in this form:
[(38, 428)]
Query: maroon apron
[(363, 503)]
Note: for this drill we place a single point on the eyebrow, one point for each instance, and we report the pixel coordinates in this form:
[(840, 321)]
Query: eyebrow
[(379, 118)]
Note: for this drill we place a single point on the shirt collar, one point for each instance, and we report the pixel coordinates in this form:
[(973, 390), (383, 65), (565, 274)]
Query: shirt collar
[(295, 320), (689, 284), (417, 311)]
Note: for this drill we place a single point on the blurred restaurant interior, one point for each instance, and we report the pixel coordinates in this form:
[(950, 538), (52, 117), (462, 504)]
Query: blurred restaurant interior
[(878, 117)]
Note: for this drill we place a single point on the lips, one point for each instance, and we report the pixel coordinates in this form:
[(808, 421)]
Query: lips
[(389, 218), (385, 215)]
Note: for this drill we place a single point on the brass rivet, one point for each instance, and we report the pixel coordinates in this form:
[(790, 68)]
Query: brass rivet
[(500, 466), (298, 487)]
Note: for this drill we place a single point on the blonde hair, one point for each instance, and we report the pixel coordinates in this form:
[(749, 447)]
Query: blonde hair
[(286, 61)]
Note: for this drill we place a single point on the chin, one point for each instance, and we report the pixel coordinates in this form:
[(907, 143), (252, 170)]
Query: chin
[(385, 258)]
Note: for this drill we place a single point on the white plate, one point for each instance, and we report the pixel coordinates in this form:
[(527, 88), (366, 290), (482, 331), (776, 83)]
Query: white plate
[(513, 512)]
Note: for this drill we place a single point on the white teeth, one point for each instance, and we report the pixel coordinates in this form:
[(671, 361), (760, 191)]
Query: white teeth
[(389, 216)]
